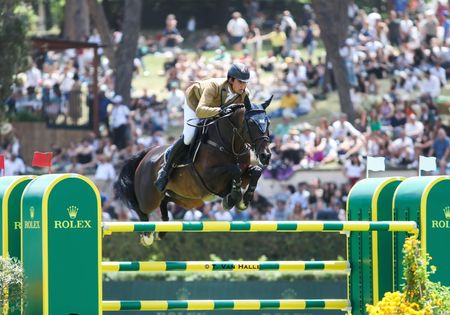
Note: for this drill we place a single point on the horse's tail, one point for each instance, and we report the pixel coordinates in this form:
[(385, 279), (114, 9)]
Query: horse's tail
[(124, 186)]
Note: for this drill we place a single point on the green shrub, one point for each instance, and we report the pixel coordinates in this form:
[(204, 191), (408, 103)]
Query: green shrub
[(228, 246), (11, 283)]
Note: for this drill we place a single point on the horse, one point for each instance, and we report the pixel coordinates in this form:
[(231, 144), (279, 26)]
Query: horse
[(219, 167)]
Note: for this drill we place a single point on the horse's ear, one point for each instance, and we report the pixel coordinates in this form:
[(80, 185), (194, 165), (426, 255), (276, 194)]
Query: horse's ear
[(247, 103), (267, 102)]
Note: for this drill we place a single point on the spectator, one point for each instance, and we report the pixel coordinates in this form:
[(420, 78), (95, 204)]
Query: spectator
[(192, 215), (212, 42), (398, 122), (441, 150), (14, 165), (439, 73), (75, 100), (171, 37), (259, 205), (330, 213), (354, 169), (394, 28), (343, 127), (288, 104), (413, 127), (280, 211), (220, 214), (104, 174), (306, 102), (288, 27), (120, 117), (298, 213), (402, 150), (300, 197), (237, 28), (277, 39), (9, 141), (430, 85)]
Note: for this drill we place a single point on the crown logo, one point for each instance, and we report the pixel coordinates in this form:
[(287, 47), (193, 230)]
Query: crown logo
[(32, 212), (72, 211), (447, 212)]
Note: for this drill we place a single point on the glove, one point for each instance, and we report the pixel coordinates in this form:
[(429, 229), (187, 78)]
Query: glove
[(225, 111)]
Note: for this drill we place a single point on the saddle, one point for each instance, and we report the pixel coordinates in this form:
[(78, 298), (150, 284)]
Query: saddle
[(200, 137)]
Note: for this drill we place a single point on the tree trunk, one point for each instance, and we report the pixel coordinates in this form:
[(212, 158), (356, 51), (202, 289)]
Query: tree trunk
[(41, 17), (126, 51), (101, 24), (333, 22), (76, 20), (48, 15)]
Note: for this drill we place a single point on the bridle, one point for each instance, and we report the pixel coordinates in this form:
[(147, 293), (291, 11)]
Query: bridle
[(237, 134), (259, 139)]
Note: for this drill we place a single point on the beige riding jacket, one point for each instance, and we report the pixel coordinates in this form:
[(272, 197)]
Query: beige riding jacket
[(207, 97)]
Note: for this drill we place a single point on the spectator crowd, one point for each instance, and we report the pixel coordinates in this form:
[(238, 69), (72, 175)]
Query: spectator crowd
[(397, 65)]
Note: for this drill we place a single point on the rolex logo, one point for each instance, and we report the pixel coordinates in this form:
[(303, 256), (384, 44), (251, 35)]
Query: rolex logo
[(31, 224), (447, 212), (72, 211)]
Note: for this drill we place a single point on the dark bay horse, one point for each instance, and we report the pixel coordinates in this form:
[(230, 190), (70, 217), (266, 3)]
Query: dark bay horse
[(221, 167)]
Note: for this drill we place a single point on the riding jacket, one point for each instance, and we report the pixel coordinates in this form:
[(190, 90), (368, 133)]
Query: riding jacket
[(207, 97)]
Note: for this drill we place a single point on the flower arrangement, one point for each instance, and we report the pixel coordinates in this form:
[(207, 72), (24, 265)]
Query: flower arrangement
[(419, 295)]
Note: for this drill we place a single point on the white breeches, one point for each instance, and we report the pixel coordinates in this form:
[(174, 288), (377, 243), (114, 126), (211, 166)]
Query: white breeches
[(191, 117)]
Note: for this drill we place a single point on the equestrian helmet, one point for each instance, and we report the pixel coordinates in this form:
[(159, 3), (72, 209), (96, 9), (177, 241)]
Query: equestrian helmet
[(239, 71)]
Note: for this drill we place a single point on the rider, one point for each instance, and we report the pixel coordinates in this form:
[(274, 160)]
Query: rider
[(205, 99)]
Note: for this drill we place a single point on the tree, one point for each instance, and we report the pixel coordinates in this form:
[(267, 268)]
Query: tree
[(16, 19), (101, 23), (333, 22), (127, 49), (76, 20)]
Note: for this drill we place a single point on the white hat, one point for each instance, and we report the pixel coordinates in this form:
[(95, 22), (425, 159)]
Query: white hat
[(5, 129), (117, 99)]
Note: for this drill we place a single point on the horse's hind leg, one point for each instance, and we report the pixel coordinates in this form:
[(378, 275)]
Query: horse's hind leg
[(164, 214)]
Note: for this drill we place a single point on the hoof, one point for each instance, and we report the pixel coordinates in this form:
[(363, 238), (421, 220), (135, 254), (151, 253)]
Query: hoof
[(160, 235), (241, 206), (147, 239), (227, 203)]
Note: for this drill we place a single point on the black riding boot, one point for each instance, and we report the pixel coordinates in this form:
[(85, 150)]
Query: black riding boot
[(173, 155)]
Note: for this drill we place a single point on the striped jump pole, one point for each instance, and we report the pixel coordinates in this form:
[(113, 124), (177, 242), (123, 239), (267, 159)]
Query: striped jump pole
[(235, 305), (260, 226), (234, 266), (62, 252)]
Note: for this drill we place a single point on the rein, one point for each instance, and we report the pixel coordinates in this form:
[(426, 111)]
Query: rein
[(222, 146), (236, 155)]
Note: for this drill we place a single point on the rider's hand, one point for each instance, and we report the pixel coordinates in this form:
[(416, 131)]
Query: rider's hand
[(225, 111)]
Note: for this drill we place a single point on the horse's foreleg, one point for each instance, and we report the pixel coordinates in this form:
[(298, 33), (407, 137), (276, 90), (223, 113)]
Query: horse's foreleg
[(235, 195), (254, 173), (164, 215)]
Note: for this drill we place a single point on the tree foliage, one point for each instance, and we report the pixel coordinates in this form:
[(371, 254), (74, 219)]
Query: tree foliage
[(16, 23)]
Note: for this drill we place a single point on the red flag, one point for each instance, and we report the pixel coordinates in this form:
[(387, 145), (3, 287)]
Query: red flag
[(42, 159), (2, 164)]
